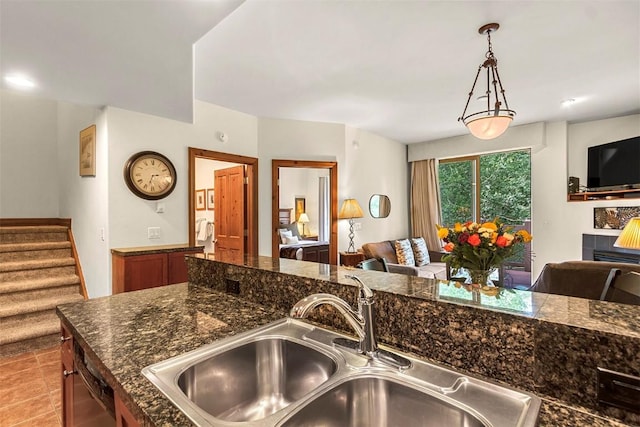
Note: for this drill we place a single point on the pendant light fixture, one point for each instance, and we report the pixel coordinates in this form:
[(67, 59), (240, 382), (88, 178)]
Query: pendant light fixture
[(494, 121)]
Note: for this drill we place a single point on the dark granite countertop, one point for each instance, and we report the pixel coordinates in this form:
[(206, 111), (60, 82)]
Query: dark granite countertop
[(157, 249), (126, 332)]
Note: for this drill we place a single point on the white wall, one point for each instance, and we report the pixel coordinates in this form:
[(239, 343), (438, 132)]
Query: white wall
[(85, 199), (376, 165), (558, 150), (584, 135), (293, 140), (45, 134), (28, 152), (130, 132)]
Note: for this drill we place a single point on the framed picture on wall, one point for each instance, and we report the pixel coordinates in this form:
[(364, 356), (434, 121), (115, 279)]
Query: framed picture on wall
[(201, 200), (88, 151), (300, 206), (614, 218), (210, 199)]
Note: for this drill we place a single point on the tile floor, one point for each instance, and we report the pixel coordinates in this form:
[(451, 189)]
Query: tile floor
[(30, 389)]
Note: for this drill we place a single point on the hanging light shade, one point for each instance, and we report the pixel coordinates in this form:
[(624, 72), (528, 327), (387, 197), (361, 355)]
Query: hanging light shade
[(495, 119)]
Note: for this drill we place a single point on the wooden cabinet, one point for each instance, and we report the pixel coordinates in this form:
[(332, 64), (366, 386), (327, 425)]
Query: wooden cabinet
[(66, 374), (124, 418), (351, 259), (134, 269)]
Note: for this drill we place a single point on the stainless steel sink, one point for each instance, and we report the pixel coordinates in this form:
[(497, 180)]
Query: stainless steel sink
[(255, 380), (290, 373), (375, 401)]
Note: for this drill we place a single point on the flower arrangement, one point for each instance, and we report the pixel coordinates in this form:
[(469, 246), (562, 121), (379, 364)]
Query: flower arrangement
[(480, 248)]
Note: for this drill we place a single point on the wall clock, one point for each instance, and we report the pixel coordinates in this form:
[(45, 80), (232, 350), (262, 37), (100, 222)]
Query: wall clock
[(150, 175)]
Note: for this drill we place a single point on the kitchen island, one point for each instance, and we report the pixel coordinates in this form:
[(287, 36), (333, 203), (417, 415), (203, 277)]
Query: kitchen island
[(123, 333)]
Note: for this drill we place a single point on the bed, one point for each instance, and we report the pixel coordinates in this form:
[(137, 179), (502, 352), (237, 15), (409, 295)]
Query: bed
[(306, 250), (297, 247)]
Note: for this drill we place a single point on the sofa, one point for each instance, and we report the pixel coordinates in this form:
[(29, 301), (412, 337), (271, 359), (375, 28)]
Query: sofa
[(435, 269), (582, 279)]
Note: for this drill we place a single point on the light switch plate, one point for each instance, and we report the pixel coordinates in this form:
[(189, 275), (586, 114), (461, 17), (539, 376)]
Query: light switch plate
[(153, 232)]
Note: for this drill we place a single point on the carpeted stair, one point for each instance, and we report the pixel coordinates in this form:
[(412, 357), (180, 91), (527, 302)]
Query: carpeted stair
[(37, 273)]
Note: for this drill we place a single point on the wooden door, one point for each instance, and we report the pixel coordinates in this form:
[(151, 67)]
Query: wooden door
[(229, 223)]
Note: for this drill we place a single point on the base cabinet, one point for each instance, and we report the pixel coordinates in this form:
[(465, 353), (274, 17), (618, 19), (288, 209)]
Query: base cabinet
[(134, 269), (66, 373), (124, 418), (79, 407)]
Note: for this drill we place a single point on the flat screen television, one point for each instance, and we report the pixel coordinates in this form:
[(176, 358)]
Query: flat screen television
[(615, 165)]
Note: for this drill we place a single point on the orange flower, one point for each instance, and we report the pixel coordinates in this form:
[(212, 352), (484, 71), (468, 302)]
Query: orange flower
[(474, 240), (501, 242), (526, 237), (449, 247)]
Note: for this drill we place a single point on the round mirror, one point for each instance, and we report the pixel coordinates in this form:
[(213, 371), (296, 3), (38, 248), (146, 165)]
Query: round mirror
[(379, 206)]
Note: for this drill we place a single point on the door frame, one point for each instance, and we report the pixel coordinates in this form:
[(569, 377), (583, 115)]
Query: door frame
[(251, 205), (275, 201)]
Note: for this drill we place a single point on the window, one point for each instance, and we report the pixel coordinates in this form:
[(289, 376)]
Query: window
[(481, 188)]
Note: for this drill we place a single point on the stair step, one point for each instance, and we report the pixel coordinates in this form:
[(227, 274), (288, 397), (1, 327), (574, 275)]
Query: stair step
[(47, 282), (49, 233), (17, 322), (33, 246), (29, 331), (37, 294), (17, 309), (34, 255), (35, 264), (41, 273)]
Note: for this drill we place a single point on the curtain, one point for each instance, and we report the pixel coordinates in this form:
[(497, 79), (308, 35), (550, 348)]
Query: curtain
[(425, 202), (324, 210)]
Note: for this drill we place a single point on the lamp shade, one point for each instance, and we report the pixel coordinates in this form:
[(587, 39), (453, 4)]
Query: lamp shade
[(489, 127), (630, 236), (303, 218), (350, 209)]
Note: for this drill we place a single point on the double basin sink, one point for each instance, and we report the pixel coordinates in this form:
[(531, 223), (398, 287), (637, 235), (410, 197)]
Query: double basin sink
[(290, 373)]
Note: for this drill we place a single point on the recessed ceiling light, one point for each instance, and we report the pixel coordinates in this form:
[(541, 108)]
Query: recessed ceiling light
[(568, 102), (20, 81)]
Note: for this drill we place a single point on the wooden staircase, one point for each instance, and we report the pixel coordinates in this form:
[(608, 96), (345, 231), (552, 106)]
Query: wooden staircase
[(39, 270)]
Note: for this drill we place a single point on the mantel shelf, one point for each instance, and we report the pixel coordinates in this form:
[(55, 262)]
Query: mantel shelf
[(604, 195)]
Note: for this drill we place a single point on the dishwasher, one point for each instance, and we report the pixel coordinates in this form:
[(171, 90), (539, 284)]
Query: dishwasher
[(93, 404)]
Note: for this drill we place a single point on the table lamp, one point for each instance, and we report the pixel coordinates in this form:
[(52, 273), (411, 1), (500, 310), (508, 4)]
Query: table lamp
[(350, 209), (630, 236), (303, 219)]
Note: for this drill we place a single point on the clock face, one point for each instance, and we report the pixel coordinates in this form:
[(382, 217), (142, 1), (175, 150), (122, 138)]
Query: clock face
[(150, 175)]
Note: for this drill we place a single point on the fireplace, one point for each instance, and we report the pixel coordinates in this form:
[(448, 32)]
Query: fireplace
[(600, 248)]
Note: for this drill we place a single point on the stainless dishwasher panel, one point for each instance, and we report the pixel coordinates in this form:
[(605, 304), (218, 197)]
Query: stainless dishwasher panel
[(93, 404)]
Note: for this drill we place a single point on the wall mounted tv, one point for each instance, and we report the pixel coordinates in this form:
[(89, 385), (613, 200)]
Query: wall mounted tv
[(615, 165)]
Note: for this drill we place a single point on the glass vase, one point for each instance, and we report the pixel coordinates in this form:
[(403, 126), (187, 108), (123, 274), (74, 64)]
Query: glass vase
[(480, 277)]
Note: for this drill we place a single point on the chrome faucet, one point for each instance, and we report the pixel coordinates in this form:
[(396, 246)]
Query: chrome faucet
[(362, 321)]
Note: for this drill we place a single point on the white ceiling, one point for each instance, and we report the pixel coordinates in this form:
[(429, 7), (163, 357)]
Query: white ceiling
[(401, 69)]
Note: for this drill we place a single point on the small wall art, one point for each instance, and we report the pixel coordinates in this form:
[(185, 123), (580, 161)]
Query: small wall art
[(614, 218), (210, 199), (201, 200), (88, 151), (300, 206)]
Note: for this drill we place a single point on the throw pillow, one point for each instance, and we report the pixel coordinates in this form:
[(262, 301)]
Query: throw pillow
[(290, 240), (404, 252), (420, 251), (284, 234)]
